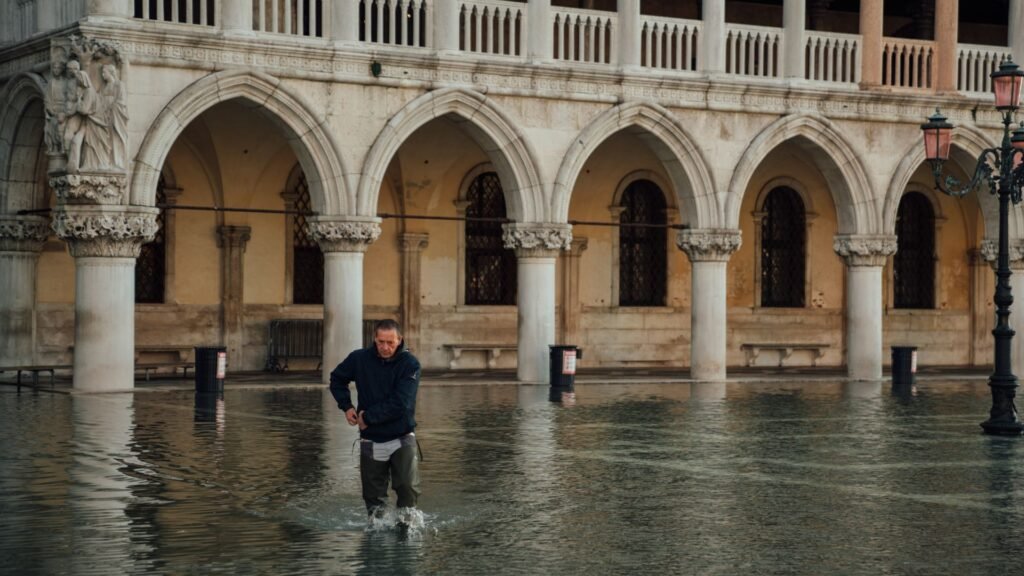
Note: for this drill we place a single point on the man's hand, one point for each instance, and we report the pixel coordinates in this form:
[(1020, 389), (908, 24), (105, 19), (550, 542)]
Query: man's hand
[(350, 416), (362, 423)]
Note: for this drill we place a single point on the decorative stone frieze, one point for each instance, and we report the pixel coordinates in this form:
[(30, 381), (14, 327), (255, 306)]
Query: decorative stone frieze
[(90, 188), (865, 250), (86, 107), (23, 233), (990, 252), (343, 235), (537, 240), (709, 245), (106, 231)]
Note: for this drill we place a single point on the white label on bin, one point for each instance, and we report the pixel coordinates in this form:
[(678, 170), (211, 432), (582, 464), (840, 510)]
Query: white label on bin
[(568, 361), (913, 361), (222, 364)]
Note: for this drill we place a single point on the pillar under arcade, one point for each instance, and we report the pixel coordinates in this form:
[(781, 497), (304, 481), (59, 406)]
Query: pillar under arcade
[(343, 242), (709, 252), (537, 247), (865, 257), (21, 242)]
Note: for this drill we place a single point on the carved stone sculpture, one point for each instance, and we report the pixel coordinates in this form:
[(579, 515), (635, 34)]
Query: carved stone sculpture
[(86, 109), (530, 239), (865, 250), (709, 245), (343, 235), (106, 231)]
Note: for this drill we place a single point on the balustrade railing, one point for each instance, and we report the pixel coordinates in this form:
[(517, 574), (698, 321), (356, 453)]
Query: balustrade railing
[(200, 12), (293, 17), (753, 50), (492, 27), (908, 63), (975, 64), (584, 35), (669, 43), (830, 57), (395, 22)]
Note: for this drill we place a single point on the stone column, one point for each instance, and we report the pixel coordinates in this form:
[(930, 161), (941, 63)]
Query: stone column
[(344, 19), (236, 15), (709, 251), (123, 8), (990, 251), (1016, 31), (343, 241), (539, 31), (712, 47), (537, 246), (871, 19), (794, 14), (232, 240), (105, 241), (865, 258), (570, 328), (946, 22), (21, 242), (629, 33), (412, 246), (446, 25)]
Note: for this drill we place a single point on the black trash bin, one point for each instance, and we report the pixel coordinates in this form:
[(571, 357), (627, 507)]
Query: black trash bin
[(562, 370), (211, 366), (904, 365)]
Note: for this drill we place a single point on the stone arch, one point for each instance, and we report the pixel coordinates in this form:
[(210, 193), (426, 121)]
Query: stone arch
[(662, 132), (830, 152), (22, 122), (968, 143), (486, 124), (312, 143)]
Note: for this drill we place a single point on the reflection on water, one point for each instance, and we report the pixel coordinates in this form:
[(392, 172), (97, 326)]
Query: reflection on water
[(709, 479)]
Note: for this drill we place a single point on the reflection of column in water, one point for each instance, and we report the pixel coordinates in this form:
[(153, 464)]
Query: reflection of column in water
[(99, 491), (862, 389), (707, 391), (209, 407), (536, 452)]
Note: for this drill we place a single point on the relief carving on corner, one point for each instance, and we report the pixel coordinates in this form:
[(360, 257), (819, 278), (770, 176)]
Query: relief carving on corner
[(86, 129)]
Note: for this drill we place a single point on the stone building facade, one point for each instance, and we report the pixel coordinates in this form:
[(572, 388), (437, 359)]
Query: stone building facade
[(702, 185)]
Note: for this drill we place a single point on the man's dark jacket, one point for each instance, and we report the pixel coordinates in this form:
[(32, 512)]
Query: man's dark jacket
[(386, 391)]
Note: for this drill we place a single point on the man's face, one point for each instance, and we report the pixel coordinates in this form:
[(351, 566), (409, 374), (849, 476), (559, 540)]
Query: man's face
[(387, 342)]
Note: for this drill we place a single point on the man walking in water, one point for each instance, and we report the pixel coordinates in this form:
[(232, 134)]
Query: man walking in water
[(387, 378)]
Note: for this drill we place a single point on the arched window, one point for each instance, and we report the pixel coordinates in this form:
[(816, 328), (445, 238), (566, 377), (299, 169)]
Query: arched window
[(151, 265), (642, 263), (307, 259), (914, 262), (490, 267), (783, 249)]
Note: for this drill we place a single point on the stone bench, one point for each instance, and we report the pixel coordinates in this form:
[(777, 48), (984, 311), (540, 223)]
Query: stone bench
[(492, 352), (174, 366), (35, 370), (751, 351)]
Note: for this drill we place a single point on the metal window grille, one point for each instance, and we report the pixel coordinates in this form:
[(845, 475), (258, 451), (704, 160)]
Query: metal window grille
[(150, 266), (642, 262), (307, 258), (783, 249), (914, 262), (490, 267)]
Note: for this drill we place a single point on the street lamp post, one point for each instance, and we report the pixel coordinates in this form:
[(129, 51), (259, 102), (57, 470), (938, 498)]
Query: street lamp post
[(1003, 170)]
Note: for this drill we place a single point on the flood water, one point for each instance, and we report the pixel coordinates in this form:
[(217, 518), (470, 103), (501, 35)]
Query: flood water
[(813, 478)]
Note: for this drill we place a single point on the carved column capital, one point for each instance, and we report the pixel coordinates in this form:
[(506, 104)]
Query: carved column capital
[(990, 252), (413, 241), (105, 231), (90, 187), (233, 236), (336, 234), (710, 244), (537, 239), (865, 250), (23, 233)]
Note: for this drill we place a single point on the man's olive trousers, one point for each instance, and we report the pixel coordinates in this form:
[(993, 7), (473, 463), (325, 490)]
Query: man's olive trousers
[(401, 470)]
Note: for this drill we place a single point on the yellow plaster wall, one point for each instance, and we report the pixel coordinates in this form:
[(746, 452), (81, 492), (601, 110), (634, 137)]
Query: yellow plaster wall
[(826, 268), (617, 158)]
